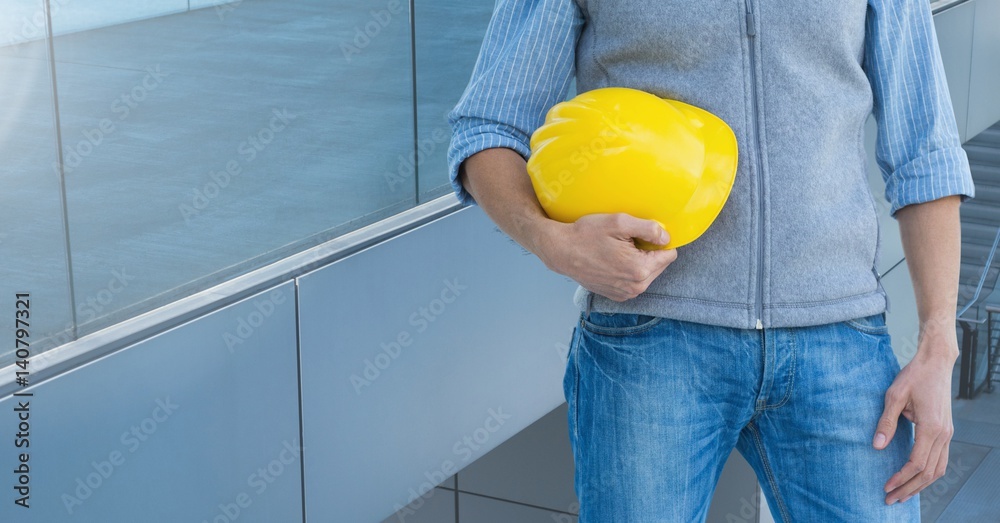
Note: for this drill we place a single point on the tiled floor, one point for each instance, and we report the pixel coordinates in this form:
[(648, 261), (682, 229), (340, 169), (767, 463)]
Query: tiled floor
[(527, 479)]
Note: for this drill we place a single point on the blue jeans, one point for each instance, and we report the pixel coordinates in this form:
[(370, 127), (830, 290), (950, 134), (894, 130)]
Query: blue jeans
[(656, 406)]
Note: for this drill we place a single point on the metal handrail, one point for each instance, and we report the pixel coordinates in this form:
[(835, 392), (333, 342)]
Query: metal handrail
[(942, 5), (982, 277), (76, 353)]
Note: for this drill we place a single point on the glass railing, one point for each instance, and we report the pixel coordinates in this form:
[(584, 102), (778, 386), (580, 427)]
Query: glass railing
[(155, 148), (978, 326), (987, 280)]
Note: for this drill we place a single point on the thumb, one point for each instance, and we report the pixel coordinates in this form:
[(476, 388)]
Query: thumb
[(890, 418), (648, 230)]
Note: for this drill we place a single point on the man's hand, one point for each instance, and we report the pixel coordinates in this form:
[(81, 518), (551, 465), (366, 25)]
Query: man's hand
[(921, 392), (597, 251)]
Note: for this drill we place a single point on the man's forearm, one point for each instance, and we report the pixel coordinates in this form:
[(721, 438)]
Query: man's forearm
[(932, 240), (498, 180)]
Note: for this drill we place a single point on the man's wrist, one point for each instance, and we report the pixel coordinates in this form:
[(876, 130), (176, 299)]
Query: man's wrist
[(938, 351), (541, 232), (938, 338)]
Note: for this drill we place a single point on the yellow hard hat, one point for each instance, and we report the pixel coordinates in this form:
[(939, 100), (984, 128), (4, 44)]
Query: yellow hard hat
[(622, 150)]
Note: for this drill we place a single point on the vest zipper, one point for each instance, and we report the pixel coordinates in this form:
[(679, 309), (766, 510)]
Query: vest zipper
[(759, 301)]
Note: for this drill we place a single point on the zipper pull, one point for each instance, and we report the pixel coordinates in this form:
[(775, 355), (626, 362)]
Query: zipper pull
[(760, 324), (750, 29)]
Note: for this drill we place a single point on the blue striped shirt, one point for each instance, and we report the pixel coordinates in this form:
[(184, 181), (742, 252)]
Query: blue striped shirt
[(526, 65)]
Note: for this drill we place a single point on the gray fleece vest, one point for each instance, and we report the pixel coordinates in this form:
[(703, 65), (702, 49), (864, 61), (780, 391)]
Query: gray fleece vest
[(797, 243)]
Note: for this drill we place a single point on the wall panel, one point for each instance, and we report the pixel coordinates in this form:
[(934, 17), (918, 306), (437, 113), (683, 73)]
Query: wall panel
[(954, 31), (420, 355), (984, 84), (197, 423)]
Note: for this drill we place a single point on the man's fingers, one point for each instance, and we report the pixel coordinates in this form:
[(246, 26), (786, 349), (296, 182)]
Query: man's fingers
[(922, 458), (940, 468), (656, 262), (631, 227), (886, 429), (659, 259), (925, 477)]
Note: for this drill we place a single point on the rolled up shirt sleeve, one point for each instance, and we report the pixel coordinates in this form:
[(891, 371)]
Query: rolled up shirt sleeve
[(525, 66), (918, 148)]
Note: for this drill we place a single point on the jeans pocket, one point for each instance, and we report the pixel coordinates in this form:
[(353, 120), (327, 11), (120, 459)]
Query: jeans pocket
[(874, 324), (618, 324)]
